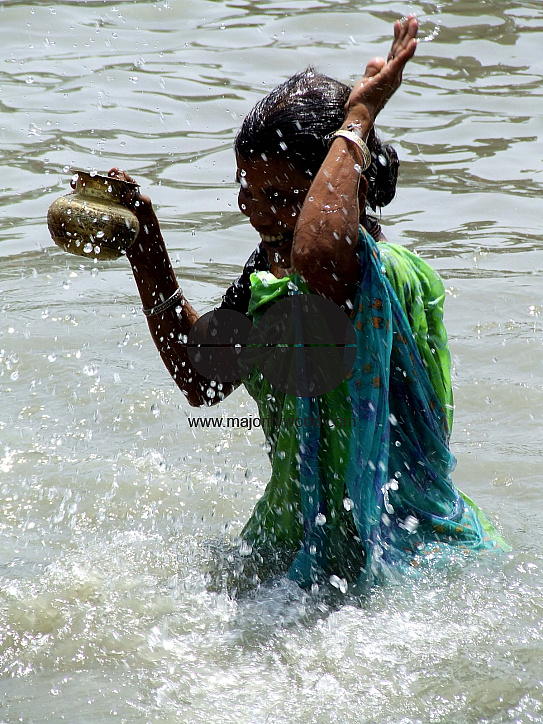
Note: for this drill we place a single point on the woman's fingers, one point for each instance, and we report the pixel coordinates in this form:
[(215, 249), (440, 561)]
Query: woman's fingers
[(374, 67), (410, 39), (382, 77), (131, 197), (120, 174), (398, 30), (404, 33), (403, 48)]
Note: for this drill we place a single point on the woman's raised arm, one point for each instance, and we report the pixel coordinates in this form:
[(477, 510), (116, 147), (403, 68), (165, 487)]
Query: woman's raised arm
[(324, 251)]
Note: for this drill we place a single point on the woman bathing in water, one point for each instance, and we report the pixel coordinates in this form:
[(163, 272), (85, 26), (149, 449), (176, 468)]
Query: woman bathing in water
[(355, 505)]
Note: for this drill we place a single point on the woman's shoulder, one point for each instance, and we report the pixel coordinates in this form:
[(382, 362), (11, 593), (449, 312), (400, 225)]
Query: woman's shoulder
[(398, 254), (404, 267)]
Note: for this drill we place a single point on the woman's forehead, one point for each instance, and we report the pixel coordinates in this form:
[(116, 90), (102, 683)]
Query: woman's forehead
[(270, 171)]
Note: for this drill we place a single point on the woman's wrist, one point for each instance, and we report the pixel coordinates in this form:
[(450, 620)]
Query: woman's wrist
[(150, 237), (173, 301), (359, 116), (353, 135), (151, 264)]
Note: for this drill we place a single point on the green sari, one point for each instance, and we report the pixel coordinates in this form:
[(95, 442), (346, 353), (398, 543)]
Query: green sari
[(373, 499)]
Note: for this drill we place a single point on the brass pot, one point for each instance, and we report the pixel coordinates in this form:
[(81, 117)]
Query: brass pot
[(92, 220)]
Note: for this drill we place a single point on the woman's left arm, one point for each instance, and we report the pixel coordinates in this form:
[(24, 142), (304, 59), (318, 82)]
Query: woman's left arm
[(324, 251)]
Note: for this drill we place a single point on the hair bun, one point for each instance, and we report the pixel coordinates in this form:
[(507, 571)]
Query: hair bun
[(382, 174)]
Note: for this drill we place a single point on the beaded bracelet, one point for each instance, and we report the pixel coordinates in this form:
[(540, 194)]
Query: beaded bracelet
[(356, 138), (166, 304)]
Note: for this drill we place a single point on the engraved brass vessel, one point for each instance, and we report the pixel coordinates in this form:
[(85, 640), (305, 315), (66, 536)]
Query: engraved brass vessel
[(92, 220)]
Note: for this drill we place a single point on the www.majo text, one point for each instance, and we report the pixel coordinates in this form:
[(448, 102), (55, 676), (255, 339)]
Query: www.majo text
[(269, 423)]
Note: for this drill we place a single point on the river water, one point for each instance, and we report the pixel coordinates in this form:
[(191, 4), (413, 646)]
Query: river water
[(107, 496)]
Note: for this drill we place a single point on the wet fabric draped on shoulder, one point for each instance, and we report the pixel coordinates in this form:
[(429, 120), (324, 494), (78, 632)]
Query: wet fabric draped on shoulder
[(361, 487)]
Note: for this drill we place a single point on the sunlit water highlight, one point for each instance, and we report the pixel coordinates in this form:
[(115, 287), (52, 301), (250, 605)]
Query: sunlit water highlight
[(109, 499)]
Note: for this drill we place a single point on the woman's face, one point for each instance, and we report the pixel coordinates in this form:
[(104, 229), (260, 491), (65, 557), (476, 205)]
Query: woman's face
[(271, 194)]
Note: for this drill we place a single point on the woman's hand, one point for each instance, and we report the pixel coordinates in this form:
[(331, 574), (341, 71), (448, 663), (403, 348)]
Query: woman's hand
[(141, 205), (382, 78), (136, 202)]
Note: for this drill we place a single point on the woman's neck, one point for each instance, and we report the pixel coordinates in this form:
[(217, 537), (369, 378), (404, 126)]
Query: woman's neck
[(280, 264)]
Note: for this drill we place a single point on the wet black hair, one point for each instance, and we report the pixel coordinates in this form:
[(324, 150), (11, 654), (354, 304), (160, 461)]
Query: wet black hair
[(294, 120)]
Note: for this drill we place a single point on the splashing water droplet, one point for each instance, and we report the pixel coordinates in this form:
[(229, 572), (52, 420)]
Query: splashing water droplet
[(340, 583), (410, 524)]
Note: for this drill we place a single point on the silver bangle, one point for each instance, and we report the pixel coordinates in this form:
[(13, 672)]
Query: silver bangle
[(163, 306), (355, 138)]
